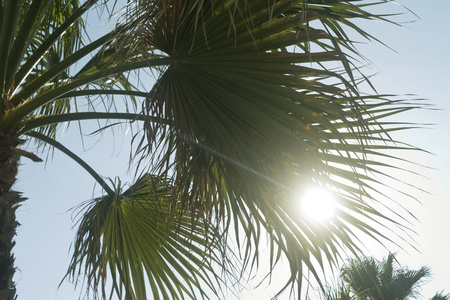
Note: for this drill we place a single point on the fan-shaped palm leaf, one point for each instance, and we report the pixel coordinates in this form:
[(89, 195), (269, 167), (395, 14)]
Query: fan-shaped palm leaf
[(253, 114), (135, 237)]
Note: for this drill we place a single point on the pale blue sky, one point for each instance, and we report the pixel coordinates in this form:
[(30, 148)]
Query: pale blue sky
[(421, 66)]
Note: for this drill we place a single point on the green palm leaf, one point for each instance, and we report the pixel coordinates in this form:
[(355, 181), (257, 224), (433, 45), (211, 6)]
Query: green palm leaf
[(368, 278), (441, 296), (135, 235), (255, 111)]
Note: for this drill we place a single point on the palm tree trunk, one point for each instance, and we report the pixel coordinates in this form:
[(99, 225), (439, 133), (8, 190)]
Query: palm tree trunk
[(9, 200)]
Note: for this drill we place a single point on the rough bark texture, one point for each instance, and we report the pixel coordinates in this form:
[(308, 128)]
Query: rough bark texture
[(9, 201)]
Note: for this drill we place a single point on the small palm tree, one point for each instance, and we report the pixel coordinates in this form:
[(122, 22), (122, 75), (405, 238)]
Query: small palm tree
[(441, 296), (253, 102), (370, 279)]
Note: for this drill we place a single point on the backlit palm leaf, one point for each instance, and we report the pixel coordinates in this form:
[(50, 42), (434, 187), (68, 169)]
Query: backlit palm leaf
[(255, 111), (136, 238), (441, 296), (368, 278)]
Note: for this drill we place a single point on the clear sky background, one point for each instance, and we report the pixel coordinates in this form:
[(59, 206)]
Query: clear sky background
[(420, 66)]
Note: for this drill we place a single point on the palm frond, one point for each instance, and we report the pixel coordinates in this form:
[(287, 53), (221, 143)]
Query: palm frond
[(136, 238), (259, 102), (440, 296), (368, 278)]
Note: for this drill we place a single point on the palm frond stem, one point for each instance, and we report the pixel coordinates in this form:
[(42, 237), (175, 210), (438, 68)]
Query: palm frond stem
[(49, 41), (52, 119), (23, 39), (36, 84), (7, 29), (103, 91), (10, 121), (73, 156)]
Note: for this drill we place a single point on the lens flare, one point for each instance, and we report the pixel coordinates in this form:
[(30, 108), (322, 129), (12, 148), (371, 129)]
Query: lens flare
[(318, 204)]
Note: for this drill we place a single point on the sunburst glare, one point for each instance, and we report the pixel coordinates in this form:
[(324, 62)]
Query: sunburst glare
[(318, 204)]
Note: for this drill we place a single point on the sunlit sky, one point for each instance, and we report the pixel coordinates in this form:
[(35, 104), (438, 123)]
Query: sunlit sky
[(419, 66)]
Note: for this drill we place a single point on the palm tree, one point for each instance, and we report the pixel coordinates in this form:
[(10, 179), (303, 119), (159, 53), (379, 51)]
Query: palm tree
[(254, 101), (440, 296), (371, 279)]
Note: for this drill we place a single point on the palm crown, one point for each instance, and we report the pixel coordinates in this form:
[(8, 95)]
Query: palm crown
[(253, 102), (370, 279)]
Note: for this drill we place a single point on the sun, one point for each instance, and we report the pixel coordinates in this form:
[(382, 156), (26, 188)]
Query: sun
[(318, 204)]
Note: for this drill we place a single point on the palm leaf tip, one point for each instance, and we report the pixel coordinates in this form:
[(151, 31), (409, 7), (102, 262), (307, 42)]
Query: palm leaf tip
[(441, 296), (139, 237)]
